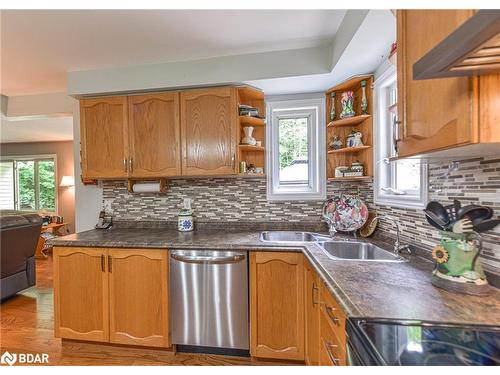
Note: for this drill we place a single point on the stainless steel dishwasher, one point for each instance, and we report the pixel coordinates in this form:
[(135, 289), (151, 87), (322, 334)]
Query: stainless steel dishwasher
[(209, 299)]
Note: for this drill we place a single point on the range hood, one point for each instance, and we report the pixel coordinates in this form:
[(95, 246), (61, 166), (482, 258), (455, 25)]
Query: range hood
[(472, 49)]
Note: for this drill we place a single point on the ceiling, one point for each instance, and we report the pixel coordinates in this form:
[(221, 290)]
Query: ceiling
[(36, 130), (366, 51), (40, 47)]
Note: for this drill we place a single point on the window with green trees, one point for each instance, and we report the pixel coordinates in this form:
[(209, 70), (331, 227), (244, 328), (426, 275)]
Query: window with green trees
[(28, 184)]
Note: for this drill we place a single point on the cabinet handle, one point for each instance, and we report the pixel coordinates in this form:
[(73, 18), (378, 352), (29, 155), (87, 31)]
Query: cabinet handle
[(131, 165), (125, 164), (329, 311), (110, 264), (233, 159), (314, 302), (328, 346), (103, 266)]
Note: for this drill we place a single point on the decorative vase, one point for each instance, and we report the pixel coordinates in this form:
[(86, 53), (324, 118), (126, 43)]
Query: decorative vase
[(332, 112), (248, 139), (458, 267), (364, 101), (347, 102)]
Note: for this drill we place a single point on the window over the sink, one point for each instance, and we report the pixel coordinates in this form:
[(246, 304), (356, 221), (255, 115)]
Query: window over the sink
[(401, 183), (296, 160)]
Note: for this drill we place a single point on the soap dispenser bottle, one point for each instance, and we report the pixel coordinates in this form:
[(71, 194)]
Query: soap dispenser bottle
[(185, 221)]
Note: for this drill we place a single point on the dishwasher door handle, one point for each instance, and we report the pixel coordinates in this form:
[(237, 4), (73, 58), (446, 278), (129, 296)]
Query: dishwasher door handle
[(208, 259)]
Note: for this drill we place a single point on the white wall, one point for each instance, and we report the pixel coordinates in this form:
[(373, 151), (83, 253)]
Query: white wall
[(88, 198)]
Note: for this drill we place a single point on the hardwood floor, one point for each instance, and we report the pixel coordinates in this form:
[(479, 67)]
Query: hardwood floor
[(27, 323)]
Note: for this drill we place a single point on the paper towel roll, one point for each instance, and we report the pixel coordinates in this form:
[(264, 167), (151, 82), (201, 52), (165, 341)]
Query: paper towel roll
[(146, 188)]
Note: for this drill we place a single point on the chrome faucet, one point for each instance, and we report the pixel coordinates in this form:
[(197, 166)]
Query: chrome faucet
[(398, 247), (331, 229)]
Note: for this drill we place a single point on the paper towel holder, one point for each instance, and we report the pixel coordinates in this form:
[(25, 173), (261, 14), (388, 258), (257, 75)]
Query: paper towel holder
[(132, 182)]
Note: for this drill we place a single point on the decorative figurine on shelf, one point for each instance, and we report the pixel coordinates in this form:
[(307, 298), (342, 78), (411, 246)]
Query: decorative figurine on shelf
[(335, 143), (354, 139), (332, 111), (347, 101), (364, 101), (248, 139)]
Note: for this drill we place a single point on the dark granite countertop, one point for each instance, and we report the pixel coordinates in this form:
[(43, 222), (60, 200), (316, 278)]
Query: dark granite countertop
[(364, 289)]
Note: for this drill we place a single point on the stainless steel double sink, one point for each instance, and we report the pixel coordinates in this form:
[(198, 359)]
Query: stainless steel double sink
[(350, 250)]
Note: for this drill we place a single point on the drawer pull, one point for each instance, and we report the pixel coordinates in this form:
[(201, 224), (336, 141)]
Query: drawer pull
[(314, 288), (329, 311), (328, 346)]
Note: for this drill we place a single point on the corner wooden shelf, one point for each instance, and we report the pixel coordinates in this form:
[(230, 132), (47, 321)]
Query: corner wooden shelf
[(252, 175), (251, 121), (348, 150), (341, 128), (254, 155), (350, 121), (251, 148), (350, 178)]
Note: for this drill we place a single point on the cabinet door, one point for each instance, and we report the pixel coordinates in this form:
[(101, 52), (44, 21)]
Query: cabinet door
[(104, 144), (138, 297), (277, 305), (81, 309), (154, 134), (208, 127), (312, 310), (434, 114)]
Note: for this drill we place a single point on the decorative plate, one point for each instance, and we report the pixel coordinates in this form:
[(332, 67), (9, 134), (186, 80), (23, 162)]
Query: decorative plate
[(369, 228), (347, 212)]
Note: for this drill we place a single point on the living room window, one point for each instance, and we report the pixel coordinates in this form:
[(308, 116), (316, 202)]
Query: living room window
[(296, 159), (400, 183), (28, 183)]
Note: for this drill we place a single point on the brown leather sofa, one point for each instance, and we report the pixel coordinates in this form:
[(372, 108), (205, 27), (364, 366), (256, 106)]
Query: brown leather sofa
[(18, 236)]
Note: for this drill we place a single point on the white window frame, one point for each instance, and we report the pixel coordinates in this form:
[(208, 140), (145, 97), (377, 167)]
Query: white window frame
[(314, 109), (383, 141), (15, 158)]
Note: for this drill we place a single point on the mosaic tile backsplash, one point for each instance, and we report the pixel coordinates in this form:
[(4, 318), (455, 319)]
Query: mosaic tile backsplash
[(244, 199)]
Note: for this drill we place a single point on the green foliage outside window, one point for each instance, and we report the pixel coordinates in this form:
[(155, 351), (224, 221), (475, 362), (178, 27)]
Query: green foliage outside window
[(293, 140), (27, 185)]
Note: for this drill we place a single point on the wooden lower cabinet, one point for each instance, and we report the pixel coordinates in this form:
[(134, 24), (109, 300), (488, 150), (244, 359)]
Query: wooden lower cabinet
[(138, 297), (312, 315), (332, 331), (277, 305), (81, 309), (112, 295)]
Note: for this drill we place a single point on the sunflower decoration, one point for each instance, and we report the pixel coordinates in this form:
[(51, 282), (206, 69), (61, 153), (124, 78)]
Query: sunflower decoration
[(440, 254)]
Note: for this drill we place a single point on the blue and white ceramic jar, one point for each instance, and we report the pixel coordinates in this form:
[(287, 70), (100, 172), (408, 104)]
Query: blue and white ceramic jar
[(185, 221)]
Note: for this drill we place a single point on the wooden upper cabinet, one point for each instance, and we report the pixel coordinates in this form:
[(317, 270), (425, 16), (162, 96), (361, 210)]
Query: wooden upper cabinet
[(81, 294), (312, 315), (439, 113), (277, 305), (138, 297), (104, 143), (208, 128), (154, 135)]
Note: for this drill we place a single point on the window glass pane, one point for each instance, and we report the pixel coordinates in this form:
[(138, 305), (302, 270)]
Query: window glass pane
[(47, 177), (408, 175), (7, 185), (26, 184), (293, 150)]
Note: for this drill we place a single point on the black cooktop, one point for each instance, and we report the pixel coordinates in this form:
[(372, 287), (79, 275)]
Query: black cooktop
[(381, 342)]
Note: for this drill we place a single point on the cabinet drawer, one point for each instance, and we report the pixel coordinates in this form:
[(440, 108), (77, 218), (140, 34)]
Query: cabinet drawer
[(333, 313), (332, 348)]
